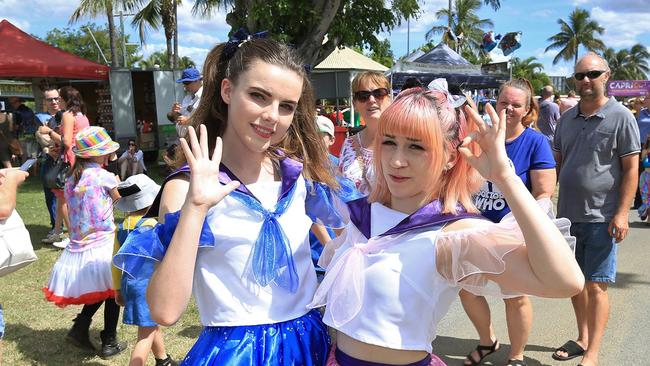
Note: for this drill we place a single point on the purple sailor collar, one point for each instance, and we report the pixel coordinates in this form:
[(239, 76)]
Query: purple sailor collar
[(426, 216)]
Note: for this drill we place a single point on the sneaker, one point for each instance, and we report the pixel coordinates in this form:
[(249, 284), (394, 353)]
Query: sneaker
[(51, 238), (62, 244)]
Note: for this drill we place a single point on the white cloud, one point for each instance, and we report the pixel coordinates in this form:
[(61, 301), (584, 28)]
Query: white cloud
[(580, 2), (22, 24), (622, 30), (540, 54), (198, 38), (496, 55), (557, 70), (542, 13), (426, 19)]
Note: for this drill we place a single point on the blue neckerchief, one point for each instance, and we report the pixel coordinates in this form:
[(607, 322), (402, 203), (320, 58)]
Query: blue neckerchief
[(426, 216), (271, 259)]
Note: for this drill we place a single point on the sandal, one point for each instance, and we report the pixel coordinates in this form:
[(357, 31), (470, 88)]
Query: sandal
[(572, 349), (516, 362), (483, 352)]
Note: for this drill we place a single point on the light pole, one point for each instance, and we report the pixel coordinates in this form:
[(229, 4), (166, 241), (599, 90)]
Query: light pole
[(121, 15)]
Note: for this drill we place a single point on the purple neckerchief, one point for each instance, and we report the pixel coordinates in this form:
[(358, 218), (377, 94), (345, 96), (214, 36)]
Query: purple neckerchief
[(427, 215), (290, 170)]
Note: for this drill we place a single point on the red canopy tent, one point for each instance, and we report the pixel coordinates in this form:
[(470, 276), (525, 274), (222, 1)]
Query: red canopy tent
[(23, 56)]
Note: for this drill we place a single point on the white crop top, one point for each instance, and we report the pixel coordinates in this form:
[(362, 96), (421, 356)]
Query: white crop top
[(391, 292), (225, 293)]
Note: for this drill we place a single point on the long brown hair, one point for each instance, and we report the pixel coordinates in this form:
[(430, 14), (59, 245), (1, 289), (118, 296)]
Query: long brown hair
[(302, 141), (73, 101), (531, 103), (78, 168)]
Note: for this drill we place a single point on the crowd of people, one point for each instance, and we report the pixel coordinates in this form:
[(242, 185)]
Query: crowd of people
[(428, 202)]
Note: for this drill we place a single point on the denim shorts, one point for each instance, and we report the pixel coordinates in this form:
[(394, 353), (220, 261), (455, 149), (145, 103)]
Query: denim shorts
[(2, 323), (595, 251)]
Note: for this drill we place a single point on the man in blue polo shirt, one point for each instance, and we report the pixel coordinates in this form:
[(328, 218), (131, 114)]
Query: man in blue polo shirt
[(596, 147)]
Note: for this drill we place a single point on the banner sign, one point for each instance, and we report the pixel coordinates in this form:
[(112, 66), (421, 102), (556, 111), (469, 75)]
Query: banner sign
[(419, 67), (628, 88)]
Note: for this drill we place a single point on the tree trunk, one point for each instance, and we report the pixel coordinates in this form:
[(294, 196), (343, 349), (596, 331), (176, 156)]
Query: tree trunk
[(176, 57), (167, 17), (115, 61), (311, 47)]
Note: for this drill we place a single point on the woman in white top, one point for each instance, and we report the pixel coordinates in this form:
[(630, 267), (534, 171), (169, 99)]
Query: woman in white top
[(248, 264), (403, 257), (371, 96)]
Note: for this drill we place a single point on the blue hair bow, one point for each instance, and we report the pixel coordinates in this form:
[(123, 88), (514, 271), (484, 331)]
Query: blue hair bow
[(239, 38)]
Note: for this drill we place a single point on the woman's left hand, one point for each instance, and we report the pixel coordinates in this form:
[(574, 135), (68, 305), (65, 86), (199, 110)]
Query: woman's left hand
[(492, 163)]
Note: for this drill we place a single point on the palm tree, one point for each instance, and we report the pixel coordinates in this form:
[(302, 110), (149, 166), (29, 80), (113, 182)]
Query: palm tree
[(160, 58), (463, 21), (579, 31), (626, 64), (526, 68), (93, 8), (154, 13), (639, 57)]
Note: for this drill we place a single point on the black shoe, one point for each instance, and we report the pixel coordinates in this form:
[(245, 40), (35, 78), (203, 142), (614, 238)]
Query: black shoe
[(78, 334), (166, 361), (110, 345)]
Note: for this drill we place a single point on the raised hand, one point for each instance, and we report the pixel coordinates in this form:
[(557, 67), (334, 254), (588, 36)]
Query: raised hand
[(205, 190), (492, 163)]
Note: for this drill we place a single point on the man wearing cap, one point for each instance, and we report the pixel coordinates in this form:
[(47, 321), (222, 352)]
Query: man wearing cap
[(180, 113), (326, 128)]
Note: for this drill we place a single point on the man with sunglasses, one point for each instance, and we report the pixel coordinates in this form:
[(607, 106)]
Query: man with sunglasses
[(131, 162), (596, 147), (48, 123), (180, 113)]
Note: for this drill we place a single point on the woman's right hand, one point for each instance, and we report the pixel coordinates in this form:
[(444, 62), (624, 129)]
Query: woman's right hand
[(205, 190), (493, 163)]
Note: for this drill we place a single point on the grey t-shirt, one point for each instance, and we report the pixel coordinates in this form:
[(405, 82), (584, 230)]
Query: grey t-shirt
[(591, 148), (549, 113)]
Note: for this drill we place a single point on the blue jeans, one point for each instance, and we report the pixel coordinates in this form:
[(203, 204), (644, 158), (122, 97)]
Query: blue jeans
[(2, 323), (595, 251), (50, 199)]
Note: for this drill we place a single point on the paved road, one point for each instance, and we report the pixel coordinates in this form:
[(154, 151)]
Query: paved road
[(627, 336)]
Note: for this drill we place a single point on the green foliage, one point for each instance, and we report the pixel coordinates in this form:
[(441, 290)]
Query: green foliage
[(383, 54), (78, 41), (160, 58), (305, 23), (464, 21), (581, 30), (151, 14), (532, 70), (628, 64)]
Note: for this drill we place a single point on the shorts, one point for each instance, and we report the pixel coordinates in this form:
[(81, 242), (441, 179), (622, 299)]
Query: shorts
[(2, 323), (30, 147), (595, 251)]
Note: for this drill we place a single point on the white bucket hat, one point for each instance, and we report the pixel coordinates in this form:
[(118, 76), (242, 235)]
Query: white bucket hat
[(139, 192)]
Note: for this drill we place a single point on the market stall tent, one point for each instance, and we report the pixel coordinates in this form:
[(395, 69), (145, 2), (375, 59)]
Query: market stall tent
[(23, 56), (443, 62)]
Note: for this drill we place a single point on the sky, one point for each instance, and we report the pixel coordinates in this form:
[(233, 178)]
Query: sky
[(625, 22)]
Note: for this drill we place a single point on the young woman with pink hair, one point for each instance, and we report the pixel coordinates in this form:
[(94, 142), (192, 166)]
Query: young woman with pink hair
[(408, 249)]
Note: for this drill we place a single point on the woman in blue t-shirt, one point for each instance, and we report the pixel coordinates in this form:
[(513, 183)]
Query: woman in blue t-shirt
[(533, 161)]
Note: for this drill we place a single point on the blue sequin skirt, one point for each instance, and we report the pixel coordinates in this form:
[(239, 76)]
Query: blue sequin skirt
[(299, 342)]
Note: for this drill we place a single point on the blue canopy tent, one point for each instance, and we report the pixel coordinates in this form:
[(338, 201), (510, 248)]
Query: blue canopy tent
[(443, 62)]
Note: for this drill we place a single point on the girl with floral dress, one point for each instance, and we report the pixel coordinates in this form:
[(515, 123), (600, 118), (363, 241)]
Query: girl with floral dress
[(82, 274)]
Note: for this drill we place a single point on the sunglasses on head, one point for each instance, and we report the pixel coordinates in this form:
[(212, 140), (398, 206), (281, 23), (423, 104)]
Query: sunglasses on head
[(52, 99), (364, 95), (594, 74)]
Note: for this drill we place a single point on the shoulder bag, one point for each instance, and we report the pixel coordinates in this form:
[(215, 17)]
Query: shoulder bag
[(16, 249)]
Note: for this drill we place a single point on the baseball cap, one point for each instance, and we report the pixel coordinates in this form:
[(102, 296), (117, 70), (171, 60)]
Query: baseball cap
[(325, 125), (189, 74)]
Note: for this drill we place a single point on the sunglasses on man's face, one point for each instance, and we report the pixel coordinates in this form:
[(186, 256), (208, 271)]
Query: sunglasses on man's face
[(52, 100), (594, 74), (364, 95)]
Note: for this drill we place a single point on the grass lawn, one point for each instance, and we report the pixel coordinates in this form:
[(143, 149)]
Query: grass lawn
[(35, 329)]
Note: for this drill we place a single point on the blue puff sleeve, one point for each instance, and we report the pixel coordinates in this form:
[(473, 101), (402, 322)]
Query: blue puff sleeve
[(149, 242), (324, 205)]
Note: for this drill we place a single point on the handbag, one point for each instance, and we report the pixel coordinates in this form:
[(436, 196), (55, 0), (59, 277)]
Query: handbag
[(16, 249), (56, 176)]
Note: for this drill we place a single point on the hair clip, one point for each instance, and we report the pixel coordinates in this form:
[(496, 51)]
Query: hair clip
[(238, 39)]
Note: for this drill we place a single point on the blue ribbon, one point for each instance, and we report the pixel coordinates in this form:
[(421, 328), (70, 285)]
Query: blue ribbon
[(240, 37)]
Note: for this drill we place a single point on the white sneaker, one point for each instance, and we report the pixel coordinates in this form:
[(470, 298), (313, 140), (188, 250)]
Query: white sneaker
[(62, 244), (51, 238)]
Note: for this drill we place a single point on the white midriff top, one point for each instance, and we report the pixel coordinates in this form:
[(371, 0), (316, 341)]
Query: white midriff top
[(392, 291), (404, 297), (225, 292)]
